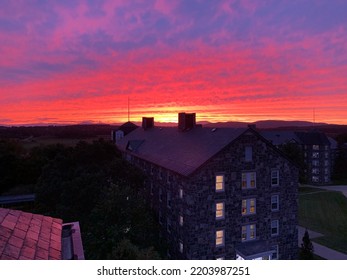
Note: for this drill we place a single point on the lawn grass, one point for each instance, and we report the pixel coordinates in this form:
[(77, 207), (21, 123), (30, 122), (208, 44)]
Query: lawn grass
[(325, 212)]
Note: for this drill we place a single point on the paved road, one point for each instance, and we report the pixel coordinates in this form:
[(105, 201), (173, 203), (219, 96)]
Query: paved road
[(342, 188), (320, 250)]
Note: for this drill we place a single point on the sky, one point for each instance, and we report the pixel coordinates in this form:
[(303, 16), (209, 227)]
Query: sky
[(66, 62)]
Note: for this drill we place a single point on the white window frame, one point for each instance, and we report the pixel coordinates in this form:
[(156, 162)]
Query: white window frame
[(248, 153), (220, 237), (248, 232), (180, 193), (180, 246), (249, 206), (220, 182), (249, 180), (275, 225), (275, 175), (275, 199), (276, 249), (220, 210)]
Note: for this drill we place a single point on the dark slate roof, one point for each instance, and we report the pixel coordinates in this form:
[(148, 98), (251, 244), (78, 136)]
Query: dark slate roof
[(127, 127), (279, 137), (333, 143), (181, 152), (254, 249), (313, 138), (29, 236)]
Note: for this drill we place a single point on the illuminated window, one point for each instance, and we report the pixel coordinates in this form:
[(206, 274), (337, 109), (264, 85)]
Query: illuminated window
[(248, 153), (248, 232), (220, 238), (248, 206), (181, 220), (315, 179), (274, 202), (248, 180), (220, 210), (181, 246), (274, 227), (275, 178), (315, 147), (315, 155), (219, 183)]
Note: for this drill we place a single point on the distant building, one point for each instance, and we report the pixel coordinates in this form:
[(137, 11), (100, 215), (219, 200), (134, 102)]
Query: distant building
[(27, 236), (123, 130), (318, 151), (218, 193)]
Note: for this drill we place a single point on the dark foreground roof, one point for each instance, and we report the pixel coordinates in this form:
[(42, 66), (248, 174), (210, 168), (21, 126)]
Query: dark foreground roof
[(181, 152), (29, 236)]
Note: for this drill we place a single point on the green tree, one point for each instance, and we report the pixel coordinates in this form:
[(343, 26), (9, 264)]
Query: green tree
[(306, 251), (92, 184)]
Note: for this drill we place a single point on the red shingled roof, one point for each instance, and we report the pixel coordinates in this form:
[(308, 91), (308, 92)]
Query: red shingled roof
[(29, 236)]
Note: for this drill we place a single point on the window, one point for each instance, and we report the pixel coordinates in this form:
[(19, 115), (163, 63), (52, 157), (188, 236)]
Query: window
[(315, 170), (315, 162), (274, 227), (315, 147), (274, 255), (326, 163), (180, 193), (168, 199), (274, 202), (160, 195), (315, 179), (220, 238), (248, 206), (326, 148), (275, 178), (248, 232), (315, 155), (181, 220), (326, 179), (248, 153), (248, 180), (168, 225), (220, 210), (326, 171), (219, 183), (181, 246), (326, 154)]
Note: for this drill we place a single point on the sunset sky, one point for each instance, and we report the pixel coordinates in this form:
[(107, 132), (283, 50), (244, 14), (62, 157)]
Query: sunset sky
[(80, 61)]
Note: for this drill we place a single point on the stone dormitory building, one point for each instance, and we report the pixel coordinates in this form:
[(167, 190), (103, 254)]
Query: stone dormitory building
[(221, 193), (318, 150)]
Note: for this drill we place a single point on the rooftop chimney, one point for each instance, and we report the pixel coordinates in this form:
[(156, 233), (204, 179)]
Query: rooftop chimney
[(147, 123), (186, 121)]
